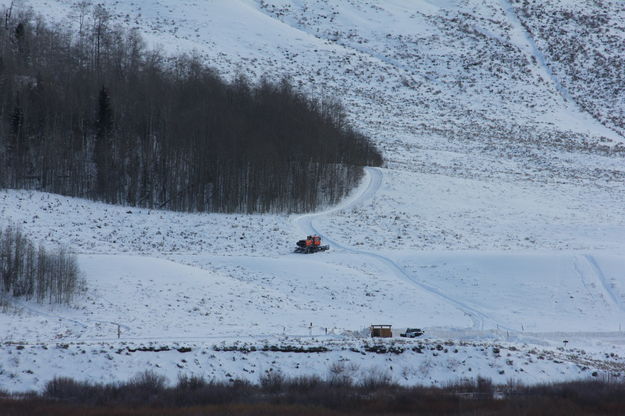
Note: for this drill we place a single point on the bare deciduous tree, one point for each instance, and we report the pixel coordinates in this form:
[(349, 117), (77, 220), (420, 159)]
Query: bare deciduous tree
[(93, 114), (35, 273)]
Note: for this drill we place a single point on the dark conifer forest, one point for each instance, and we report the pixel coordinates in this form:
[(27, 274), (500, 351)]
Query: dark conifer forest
[(93, 113)]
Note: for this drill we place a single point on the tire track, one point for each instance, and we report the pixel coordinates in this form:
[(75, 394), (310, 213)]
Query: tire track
[(81, 323), (580, 273)]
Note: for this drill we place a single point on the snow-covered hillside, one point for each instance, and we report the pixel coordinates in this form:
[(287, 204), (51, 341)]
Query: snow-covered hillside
[(585, 49), (498, 222), (237, 305)]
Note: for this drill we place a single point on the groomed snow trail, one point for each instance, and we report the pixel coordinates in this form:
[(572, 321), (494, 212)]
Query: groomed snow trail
[(531, 49), (373, 179), (618, 302), (526, 42)]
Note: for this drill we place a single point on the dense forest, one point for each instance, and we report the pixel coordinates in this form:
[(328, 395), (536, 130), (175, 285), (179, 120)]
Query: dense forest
[(93, 113)]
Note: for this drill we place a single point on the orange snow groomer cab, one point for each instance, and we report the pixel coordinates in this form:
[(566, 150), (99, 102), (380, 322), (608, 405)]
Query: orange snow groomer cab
[(312, 244)]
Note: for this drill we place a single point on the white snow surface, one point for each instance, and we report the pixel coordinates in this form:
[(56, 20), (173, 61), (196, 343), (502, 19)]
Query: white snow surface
[(497, 224)]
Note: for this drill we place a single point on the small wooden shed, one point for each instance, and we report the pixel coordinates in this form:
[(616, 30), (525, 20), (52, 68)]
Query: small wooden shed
[(381, 331)]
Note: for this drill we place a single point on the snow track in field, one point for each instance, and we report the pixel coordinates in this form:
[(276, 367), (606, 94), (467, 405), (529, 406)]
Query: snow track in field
[(374, 177), (81, 323), (526, 42), (27, 306), (531, 49), (601, 277)]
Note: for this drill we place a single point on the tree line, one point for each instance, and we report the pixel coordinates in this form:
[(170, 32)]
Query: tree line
[(34, 273), (91, 112), (375, 393)]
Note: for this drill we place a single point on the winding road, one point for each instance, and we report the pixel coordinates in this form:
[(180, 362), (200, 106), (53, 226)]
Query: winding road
[(373, 180)]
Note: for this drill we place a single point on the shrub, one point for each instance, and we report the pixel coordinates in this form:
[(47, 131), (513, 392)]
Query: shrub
[(272, 381), (373, 395)]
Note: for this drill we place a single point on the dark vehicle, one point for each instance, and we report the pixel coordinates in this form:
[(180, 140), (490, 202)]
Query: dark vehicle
[(412, 333), (312, 244)]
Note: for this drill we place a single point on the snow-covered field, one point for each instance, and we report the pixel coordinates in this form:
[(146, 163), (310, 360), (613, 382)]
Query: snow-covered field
[(499, 314), (497, 224)]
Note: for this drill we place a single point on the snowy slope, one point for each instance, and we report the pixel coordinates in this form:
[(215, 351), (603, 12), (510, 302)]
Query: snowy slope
[(239, 298), (584, 49), (499, 218)]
